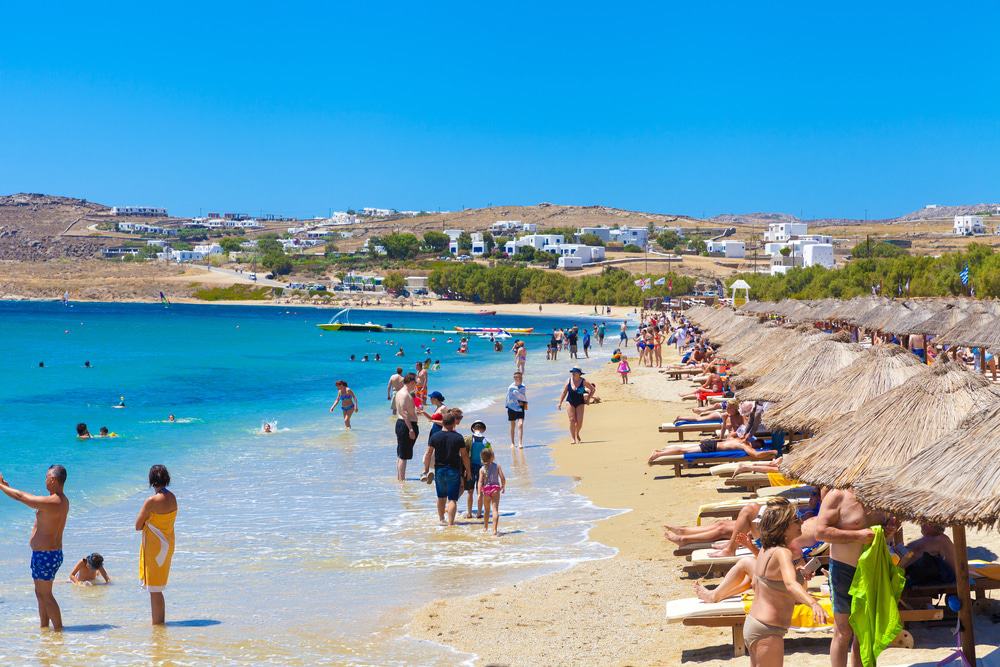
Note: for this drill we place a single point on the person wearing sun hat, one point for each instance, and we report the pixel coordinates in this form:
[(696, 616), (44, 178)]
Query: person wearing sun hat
[(576, 392), (476, 442)]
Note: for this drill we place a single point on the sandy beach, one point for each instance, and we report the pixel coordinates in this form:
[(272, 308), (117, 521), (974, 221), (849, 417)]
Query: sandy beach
[(612, 611)]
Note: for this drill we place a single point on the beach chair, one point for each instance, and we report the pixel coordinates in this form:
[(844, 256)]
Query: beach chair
[(731, 613), (724, 469), (728, 509), (688, 549), (706, 428), (753, 481), (678, 373), (701, 459)]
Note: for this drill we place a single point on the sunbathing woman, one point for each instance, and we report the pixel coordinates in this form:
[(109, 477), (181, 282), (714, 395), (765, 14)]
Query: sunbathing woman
[(740, 440), (764, 466), (728, 534), (739, 578)]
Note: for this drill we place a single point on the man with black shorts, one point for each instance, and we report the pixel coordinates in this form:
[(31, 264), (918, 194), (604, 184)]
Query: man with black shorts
[(516, 402), (451, 464), (406, 424), (571, 338)]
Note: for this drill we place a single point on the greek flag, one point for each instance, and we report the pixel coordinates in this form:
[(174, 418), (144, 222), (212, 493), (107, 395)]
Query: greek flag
[(964, 275)]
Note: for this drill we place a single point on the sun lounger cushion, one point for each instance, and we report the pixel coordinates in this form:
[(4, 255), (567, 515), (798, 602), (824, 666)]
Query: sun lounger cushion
[(724, 454), (701, 557), (692, 422), (801, 491), (678, 610), (724, 469)]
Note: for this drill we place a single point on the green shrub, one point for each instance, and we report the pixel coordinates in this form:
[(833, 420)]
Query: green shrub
[(238, 292)]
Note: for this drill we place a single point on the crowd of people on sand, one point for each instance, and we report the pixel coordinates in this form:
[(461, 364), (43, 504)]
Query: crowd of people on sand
[(780, 538)]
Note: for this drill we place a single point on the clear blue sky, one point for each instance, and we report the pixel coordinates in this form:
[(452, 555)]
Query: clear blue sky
[(689, 108)]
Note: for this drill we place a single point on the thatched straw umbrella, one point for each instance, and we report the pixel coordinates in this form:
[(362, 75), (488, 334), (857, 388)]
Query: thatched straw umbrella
[(953, 482), (812, 367), (892, 428), (940, 321), (879, 369), (770, 353)]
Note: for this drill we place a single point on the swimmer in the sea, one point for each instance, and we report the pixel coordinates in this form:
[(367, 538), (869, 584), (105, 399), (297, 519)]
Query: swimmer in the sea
[(399, 352), (171, 419), (86, 364), (88, 568), (82, 432), (121, 401), (105, 433), (267, 428)]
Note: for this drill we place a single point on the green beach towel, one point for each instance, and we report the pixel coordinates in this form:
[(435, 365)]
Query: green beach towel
[(875, 591)]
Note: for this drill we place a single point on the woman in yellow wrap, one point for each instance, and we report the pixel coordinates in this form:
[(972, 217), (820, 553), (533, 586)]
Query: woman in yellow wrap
[(156, 522)]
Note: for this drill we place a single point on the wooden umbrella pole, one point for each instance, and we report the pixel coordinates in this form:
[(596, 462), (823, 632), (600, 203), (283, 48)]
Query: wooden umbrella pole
[(962, 584), (982, 359)]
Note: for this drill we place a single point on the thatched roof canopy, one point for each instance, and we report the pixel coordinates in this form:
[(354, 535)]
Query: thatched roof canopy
[(975, 330), (956, 480), (939, 322), (879, 369), (803, 370), (892, 428), (770, 353)]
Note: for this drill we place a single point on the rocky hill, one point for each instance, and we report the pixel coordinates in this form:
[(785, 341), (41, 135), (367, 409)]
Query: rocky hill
[(32, 227)]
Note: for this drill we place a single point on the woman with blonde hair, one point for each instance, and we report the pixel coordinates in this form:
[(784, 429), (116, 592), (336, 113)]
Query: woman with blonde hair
[(777, 587)]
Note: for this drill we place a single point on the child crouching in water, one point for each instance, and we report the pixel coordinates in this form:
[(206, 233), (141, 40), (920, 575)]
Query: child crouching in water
[(624, 369), (491, 484), (88, 568)]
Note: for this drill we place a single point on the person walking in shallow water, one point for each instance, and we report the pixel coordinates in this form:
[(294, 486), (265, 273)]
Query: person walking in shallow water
[(156, 523), (51, 512), (347, 400)]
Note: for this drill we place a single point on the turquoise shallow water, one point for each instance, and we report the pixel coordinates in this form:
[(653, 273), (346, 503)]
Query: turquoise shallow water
[(297, 547)]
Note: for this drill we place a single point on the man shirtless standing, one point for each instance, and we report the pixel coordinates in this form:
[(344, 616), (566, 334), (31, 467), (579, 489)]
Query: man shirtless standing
[(422, 369), (395, 383), (46, 540), (406, 424), (844, 523)]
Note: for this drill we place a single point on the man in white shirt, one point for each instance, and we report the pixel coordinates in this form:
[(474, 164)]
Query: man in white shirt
[(517, 403)]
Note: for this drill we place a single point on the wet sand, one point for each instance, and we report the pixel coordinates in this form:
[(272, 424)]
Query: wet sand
[(613, 611)]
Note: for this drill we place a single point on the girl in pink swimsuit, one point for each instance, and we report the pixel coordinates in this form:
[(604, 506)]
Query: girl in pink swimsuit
[(491, 484)]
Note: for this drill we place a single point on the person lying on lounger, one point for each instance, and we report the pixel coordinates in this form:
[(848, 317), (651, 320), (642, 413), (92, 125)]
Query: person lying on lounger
[(726, 413), (930, 559), (739, 578), (728, 534), (774, 465), (741, 440)]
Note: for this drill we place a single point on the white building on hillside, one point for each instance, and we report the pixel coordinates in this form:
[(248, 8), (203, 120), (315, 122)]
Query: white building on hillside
[(726, 248), (371, 212), (143, 228), (802, 253), (968, 225), (638, 236), (139, 211), (209, 249), (504, 227), (779, 232), (542, 242)]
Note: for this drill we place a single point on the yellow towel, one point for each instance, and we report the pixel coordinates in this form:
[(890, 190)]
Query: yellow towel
[(777, 479), (157, 550), (802, 615), (988, 570)]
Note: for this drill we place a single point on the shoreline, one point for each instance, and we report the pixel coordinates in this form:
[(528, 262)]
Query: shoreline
[(437, 306)]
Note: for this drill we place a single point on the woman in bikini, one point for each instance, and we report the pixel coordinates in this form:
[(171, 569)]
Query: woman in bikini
[(777, 586), (348, 402)]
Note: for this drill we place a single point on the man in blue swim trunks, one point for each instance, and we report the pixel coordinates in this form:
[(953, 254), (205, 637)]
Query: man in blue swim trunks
[(46, 540), (844, 523), (451, 464)]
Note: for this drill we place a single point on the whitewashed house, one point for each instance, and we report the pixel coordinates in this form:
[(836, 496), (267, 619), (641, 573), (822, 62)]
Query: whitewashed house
[(969, 225)]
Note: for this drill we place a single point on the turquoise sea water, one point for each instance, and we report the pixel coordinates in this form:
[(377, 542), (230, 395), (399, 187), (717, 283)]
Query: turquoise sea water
[(293, 548)]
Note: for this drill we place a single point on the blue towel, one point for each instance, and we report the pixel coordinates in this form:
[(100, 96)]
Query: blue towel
[(688, 422), (733, 453)]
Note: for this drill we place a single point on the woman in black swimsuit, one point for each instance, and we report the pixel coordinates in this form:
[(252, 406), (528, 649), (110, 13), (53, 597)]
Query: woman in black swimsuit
[(575, 393)]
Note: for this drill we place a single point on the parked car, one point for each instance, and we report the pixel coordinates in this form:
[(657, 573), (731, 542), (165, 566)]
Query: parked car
[(253, 276), (317, 288)]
